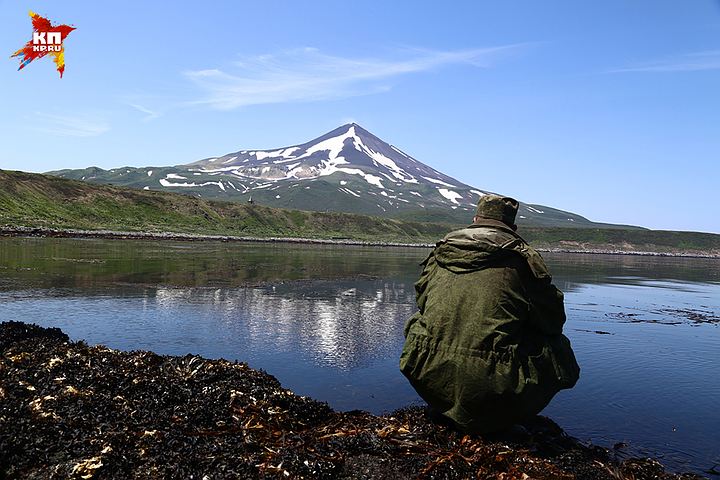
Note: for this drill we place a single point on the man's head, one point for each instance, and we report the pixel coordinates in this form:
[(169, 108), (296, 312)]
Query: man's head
[(496, 207)]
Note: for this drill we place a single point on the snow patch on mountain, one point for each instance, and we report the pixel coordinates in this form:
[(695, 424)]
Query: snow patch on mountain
[(347, 190), (165, 183), (329, 169), (285, 160), (450, 195), (373, 180), (283, 152), (439, 182), (333, 145), (214, 170), (395, 171)]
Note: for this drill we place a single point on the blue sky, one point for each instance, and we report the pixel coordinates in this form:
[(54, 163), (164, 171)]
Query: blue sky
[(607, 109)]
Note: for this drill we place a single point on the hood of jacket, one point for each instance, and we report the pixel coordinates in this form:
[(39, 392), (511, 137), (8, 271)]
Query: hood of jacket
[(482, 244)]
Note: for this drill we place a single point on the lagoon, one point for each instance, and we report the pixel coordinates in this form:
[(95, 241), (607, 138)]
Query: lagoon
[(327, 322)]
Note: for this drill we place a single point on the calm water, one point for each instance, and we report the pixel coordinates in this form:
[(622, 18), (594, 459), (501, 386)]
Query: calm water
[(327, 322)]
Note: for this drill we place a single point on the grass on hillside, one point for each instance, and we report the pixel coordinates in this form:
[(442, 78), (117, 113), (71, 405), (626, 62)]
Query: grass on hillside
[(621, 239), (33, 200), (44, 201)]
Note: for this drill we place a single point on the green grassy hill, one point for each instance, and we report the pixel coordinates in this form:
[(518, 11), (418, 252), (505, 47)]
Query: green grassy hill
[(34, 200), (625, 240)]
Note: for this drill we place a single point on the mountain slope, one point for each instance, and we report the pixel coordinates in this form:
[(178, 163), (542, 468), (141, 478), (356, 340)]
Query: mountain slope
[(346, 170)]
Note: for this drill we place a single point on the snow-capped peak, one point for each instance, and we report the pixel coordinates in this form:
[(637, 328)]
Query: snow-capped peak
[(345, 153), (333, 145)]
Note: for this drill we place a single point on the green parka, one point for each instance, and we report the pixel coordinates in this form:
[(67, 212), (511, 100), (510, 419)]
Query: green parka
[(486, 347)]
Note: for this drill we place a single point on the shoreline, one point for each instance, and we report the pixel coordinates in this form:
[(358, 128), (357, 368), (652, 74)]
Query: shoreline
[(15, 231), (68, 409)]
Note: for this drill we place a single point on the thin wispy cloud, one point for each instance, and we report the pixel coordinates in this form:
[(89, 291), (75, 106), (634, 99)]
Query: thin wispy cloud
[(689, 62), (307, 74), (68, 125), (149, 114)]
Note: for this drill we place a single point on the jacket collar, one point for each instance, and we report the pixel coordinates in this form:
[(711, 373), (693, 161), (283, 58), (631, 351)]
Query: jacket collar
[(489, 222)]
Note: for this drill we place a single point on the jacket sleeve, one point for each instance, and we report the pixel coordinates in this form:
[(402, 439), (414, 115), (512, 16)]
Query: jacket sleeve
[(428, 265), (547, 310)]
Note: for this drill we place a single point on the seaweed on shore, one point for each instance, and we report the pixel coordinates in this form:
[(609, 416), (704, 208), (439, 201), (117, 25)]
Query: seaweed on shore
[(670, 316), (69, 410)]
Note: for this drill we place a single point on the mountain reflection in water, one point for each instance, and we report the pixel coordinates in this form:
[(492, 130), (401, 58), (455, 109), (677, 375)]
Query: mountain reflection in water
[(338, 324)]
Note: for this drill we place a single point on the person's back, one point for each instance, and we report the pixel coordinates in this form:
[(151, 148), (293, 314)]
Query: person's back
[(486, 348)]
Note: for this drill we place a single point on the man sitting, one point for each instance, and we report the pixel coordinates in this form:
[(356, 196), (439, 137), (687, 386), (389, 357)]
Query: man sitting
[(486, 348)]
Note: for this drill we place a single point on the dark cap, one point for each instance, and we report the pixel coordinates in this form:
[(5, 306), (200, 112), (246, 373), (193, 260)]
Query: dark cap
[(497, 207)]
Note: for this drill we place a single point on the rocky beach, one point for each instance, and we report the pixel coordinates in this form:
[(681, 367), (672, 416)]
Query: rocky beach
[(71, 410)]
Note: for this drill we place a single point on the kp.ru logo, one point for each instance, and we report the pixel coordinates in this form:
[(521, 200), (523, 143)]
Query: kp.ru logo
[(47, 42), (46, 39)]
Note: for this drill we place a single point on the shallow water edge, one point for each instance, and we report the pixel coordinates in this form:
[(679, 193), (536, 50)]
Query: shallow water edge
[(15, 231)]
